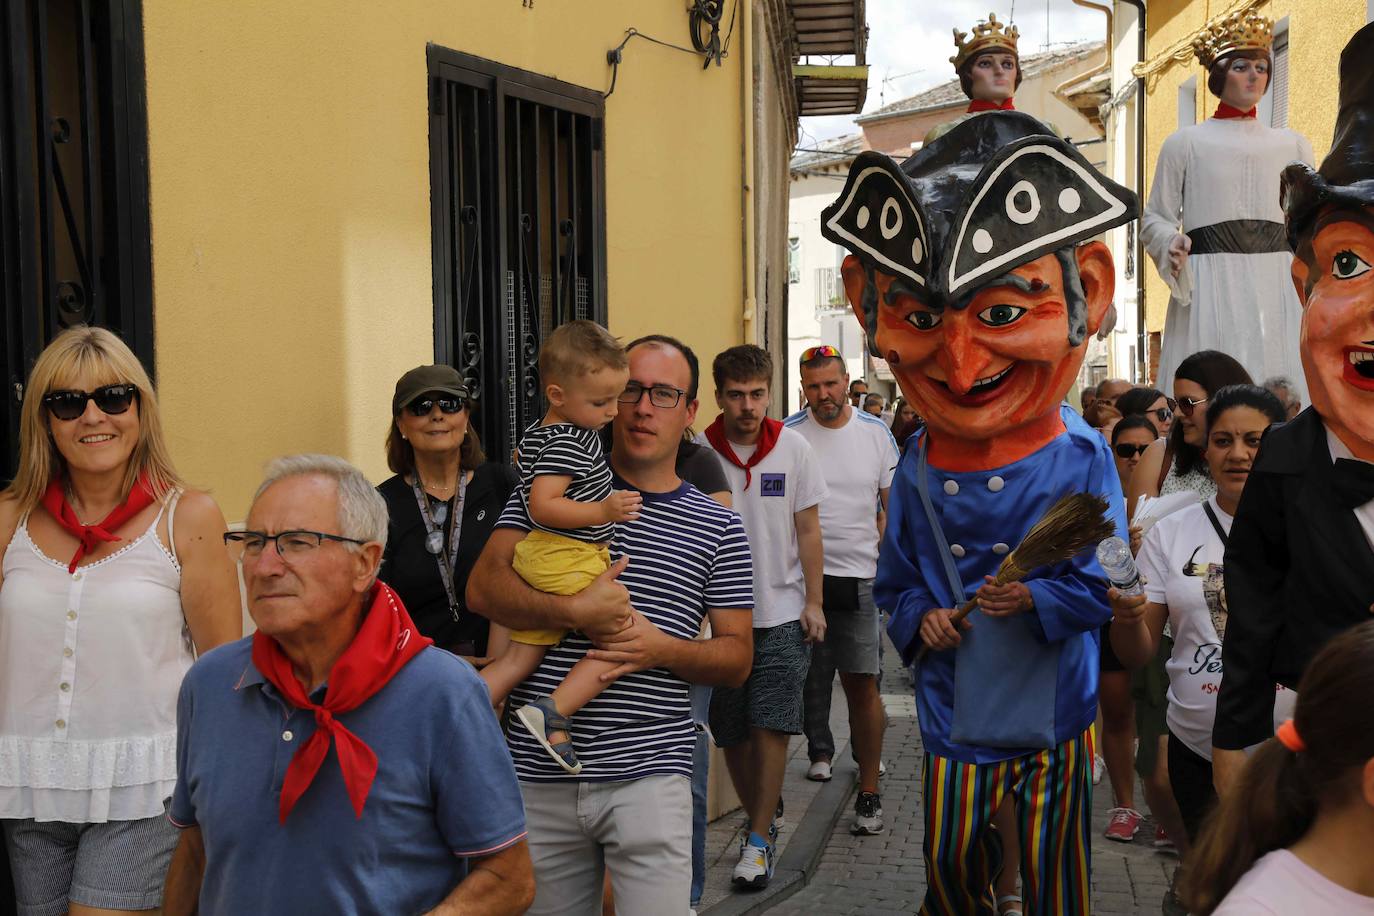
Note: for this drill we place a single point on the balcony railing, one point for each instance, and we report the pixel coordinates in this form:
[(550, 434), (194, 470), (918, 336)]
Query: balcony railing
[(829, 291)]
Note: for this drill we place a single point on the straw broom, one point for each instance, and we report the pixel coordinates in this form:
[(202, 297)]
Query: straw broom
[(1075, 523)]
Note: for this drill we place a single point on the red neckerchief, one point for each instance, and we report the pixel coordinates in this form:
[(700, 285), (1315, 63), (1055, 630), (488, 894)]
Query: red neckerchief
[(768, 437), (1225, 112), (978, 105), (386, 641), (55, 501)]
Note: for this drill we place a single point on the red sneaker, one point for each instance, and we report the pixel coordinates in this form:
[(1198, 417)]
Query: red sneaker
[(1122, 824), (1162, 841)]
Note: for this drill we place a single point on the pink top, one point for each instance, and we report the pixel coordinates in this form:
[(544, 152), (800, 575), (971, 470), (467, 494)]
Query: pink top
[(1281, 884)]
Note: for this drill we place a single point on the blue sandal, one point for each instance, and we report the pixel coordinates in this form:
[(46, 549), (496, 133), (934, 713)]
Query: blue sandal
[(541, 718)]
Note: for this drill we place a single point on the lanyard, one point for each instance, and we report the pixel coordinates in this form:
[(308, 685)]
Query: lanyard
[(956, 586), (455, 529)]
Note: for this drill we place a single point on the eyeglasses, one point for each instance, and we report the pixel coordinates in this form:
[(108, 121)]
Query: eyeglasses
[(421, 407), (824, 351), (1186, 406), (290, 544), (1162, 414), (663, 396), (1127, 451), (70, 404)]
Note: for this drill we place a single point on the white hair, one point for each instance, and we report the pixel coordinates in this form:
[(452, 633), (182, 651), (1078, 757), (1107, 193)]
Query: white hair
[(362, 511)]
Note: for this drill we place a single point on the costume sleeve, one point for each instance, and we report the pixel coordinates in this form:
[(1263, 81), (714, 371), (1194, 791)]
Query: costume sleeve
[(1163, 216), (182, 812), (732, 570), (1071, 598), (899, 587), (1255, 569), (474, 763)]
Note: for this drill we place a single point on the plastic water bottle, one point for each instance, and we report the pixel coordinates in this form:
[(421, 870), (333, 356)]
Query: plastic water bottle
[(1115, 556)]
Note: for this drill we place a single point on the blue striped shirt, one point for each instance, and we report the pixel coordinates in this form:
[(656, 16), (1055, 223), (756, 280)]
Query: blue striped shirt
[(688, 554)]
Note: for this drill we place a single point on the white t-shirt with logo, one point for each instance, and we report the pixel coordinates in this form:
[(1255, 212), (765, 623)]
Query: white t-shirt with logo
[(858, 460), (1181, 559), (784, 483)]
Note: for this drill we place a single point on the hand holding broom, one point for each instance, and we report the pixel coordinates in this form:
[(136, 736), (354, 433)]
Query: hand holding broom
[(1075, 523)]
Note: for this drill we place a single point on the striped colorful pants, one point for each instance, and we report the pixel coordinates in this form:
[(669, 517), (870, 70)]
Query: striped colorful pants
[(1053, 797)]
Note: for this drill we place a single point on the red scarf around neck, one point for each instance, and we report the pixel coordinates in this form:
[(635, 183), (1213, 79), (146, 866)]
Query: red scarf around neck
[(386, 641), (1225, 112), (55, 501), (769, 430), (978, 105)]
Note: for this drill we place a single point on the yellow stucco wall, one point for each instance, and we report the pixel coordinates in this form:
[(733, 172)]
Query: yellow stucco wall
[(289, 167), (1317, 30)]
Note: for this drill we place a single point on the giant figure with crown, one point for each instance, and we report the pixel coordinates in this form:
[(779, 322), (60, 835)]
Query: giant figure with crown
[(974, 275)]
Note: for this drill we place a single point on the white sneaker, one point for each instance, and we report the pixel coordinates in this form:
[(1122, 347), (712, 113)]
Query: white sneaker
[(868, 815), (819, 772), (1099, 767), (755, 866), (882, 769)]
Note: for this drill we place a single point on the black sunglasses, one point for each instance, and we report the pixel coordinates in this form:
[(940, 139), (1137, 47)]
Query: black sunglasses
[(1162, 414), (1127, 451), (1186, 406), (70, 404), (421, 407)]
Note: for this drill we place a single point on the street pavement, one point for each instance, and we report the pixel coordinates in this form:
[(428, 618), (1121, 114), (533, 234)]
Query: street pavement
[(885, 874)]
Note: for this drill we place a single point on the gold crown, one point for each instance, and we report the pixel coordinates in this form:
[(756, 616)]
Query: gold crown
[(1247, 31), (986, 36)]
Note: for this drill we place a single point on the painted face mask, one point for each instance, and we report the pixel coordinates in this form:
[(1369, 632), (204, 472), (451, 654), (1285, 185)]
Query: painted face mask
[(969, 275)]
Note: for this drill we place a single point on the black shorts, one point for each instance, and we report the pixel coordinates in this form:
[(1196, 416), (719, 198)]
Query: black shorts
[(1107, 660)]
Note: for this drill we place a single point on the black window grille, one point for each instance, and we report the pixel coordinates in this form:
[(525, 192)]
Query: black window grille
[(74, 236), (517, 175)]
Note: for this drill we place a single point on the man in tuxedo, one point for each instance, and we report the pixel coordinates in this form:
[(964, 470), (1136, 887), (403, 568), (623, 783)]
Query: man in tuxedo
[(1300, 561)]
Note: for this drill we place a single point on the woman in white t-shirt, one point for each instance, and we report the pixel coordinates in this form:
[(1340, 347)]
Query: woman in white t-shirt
[(1297, 833), (1181, 563)]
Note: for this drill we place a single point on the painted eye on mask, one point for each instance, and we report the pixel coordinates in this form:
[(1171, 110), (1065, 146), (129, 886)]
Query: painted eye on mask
[(1347, 265), (997, 316), (924, 321)]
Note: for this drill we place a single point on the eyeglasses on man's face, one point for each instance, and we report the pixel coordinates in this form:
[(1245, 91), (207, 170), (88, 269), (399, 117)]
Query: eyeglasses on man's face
[(291, 545), (662, 396)]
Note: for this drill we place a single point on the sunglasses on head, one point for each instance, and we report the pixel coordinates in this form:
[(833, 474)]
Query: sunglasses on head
[(1186, 406), (70, 404), (421, 406), (824, 351), (1127, 451)]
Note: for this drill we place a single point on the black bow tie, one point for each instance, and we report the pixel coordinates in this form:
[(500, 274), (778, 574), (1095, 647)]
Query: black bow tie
[(1353, 482)]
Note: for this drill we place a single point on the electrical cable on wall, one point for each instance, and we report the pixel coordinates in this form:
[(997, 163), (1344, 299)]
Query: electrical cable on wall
[(706, 41)]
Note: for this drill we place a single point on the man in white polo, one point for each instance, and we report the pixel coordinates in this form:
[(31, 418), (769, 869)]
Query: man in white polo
[(857, 455)]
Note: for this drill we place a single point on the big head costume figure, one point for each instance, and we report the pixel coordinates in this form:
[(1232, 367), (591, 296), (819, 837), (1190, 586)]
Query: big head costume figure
[(1300, 562), (989, 69), (973, 275)]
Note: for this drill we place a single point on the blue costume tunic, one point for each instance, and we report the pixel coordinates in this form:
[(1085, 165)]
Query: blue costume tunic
[(1015, 685)]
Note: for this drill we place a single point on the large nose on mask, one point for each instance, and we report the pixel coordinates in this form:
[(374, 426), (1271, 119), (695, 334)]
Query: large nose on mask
[(964, 359)]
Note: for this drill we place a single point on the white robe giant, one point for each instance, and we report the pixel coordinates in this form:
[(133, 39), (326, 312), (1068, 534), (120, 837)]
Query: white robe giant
[(1241, 304)]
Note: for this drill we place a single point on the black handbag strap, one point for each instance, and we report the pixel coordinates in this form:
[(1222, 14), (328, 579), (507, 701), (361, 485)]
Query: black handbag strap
[(1216, 522)]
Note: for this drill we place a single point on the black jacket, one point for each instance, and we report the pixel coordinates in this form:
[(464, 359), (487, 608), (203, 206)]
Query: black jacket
[(1299, 570)]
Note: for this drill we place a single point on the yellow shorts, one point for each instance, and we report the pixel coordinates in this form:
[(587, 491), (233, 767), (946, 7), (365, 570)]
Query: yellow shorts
[(558, 565)]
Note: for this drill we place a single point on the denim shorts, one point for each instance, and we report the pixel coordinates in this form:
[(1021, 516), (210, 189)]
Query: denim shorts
[(117, 865), (772, 697)]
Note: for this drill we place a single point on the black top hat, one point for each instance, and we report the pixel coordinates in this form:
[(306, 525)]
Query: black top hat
[(996, 191), (1346, 176)]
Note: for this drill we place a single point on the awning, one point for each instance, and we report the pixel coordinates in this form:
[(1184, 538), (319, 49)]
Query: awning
[(830, 28), (830, 90)]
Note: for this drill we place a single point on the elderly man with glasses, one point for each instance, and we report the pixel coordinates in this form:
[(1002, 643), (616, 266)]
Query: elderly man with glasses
[(683, 560), (335, 761)]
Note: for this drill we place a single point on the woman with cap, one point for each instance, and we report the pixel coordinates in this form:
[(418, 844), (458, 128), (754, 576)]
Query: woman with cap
[(1214, 224), (443, 502)]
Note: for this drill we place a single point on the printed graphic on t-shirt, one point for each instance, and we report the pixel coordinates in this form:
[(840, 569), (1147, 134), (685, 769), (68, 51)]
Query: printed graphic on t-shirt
[(773, 485), (1213, 589)]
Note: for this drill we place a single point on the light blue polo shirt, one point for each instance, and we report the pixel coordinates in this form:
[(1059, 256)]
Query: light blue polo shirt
[(445, 790)]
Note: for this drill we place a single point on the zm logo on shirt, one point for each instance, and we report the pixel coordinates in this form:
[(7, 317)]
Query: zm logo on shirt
[(773, 485)]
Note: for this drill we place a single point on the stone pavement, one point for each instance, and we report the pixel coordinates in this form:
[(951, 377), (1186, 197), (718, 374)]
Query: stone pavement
[(885, 874)]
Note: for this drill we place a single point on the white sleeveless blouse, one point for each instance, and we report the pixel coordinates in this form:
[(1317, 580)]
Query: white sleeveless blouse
[(90, 666)]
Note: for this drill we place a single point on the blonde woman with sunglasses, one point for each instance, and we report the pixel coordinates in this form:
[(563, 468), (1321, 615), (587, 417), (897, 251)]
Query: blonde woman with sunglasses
[(114, 577)]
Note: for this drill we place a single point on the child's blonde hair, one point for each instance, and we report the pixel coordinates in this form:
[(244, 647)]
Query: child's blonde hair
[(577, 348)]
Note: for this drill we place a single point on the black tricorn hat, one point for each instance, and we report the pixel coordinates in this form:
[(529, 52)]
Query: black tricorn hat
[(996, 191), (1346, 176)]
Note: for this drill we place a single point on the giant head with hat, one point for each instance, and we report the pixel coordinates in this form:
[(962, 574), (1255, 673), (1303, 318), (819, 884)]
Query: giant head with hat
[(987, 61), (1330, 217), (973, 274)]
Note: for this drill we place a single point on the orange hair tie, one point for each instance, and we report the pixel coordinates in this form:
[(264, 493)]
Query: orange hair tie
[(1288, 736)]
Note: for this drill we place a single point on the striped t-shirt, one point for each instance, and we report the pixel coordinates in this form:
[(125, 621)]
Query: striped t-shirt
[(566, 450), (688, 554)]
